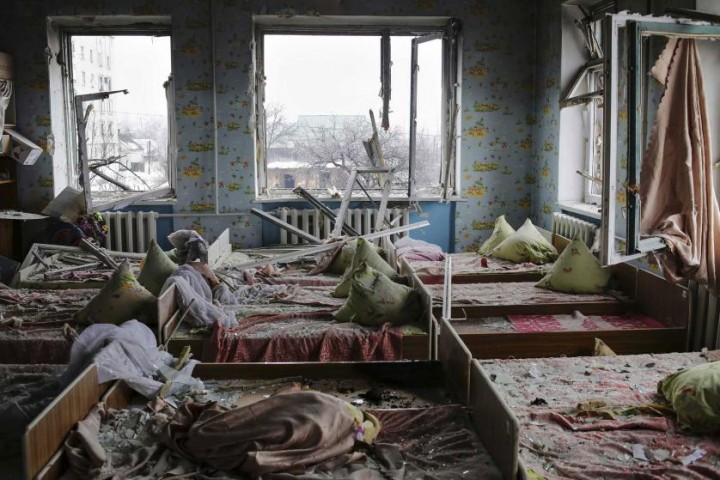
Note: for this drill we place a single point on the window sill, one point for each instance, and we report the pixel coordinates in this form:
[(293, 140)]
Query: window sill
[(279, 198), (581, 208)]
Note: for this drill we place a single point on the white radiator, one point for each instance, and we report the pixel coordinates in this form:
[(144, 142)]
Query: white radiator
[(570, 227), (315, 223), (130, 231)]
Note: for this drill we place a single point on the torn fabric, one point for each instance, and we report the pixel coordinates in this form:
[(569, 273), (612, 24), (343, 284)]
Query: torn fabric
[(676, 189)]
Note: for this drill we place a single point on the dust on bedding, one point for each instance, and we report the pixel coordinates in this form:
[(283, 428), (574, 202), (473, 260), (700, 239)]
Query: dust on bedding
[(515, 293), (303, 336), (469, 264), (430, 441), (576, 322), (558, 441), (32, 323)]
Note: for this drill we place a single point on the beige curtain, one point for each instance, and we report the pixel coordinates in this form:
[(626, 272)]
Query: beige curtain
[(676, 189)]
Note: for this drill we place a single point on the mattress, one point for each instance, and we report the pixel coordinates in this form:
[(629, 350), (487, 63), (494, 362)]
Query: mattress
[(583, 417), (515, 293), (472, 264)]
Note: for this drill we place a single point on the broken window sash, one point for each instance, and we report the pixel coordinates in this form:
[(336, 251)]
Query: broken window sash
[(385, 78), (451, 87), (620, 241)]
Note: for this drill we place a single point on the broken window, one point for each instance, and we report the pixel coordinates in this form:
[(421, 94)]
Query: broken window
[(631, 99), (315, 89), (112, 169), (586, 92)]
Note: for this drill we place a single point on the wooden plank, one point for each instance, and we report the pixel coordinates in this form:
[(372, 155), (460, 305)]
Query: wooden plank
[(291, 256), (44, 436), (167, 308), (663, 301), (426, 300), (455, 358), (495, 423), (344, 204), (587, 308), (219, 250), (572, 343), (416, 373), (284, 225)]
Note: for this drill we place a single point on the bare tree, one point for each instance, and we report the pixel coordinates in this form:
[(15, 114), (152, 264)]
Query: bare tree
[(278, 128)]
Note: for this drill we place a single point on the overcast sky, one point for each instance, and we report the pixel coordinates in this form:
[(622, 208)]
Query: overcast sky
[(340, 75)]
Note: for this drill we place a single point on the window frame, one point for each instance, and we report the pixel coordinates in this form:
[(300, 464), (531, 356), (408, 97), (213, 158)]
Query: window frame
[(78, 174), (637, 26), (446, 28)]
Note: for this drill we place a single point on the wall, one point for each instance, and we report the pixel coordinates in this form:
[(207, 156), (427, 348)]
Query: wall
[(546, 115), (506, 145)]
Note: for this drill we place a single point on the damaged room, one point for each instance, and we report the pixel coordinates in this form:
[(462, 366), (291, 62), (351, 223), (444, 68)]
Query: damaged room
[(370, 240)]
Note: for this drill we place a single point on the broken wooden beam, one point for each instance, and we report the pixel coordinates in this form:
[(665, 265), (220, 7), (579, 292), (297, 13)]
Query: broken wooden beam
[(300, 191), (289, 257), (99, 253), (285, 226)]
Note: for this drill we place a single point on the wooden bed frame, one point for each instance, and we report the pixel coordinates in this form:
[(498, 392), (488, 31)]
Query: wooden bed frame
[(415, 347), (42, 443), (652, 296), (559, 242)]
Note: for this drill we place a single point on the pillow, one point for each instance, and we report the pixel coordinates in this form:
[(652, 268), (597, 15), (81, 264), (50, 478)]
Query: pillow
[(374, 299), (576, 271), (527, 244), (156, 268), (501, 231), (121, 299), (341, 257), (364, 252), (695, 396)]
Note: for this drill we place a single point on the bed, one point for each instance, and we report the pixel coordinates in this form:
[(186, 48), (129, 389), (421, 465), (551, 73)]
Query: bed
[(284, 329), (534, 409), (520, 320), (468, 267), (64, 267), (36, 325), (419, 404)]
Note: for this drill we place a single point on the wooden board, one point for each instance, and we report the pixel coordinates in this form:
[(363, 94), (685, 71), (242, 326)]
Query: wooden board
[(494, 421), (219, 250), (455, 357), (587, 308), (44, 436), (167, 315), (426, 299), (573, 343)]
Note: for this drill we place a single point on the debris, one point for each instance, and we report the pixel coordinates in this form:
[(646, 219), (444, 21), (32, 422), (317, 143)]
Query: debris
[(538, 401), (533, 371), (639, 452), (693, 457)]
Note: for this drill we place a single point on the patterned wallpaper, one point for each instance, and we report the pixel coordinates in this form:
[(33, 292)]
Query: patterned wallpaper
[(547, 114), (509, 110)]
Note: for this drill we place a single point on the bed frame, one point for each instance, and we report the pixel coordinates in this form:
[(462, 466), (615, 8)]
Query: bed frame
[(559, 242), (42, 443), (652, 296), (415, 347)]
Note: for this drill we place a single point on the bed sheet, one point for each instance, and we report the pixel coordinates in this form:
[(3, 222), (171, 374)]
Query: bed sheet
[(515, 293), (583, 417), (33, 324), (433, 271)]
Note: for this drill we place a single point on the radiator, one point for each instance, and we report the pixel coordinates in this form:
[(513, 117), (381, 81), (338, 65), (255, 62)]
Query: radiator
[(570, 227), (315, 223), (130, 231)]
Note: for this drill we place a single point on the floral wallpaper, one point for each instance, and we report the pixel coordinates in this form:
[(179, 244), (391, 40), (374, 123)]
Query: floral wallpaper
[(546, 117), (508, 112)]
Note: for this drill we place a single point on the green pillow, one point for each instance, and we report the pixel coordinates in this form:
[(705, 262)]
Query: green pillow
[(121, 299), (343, 256), (501, 231), (375, 299), (156, 268), (576, 271), (695, 396), (364, 252), (527, 244)]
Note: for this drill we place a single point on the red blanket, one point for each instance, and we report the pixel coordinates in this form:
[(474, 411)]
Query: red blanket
[(302, 337)]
